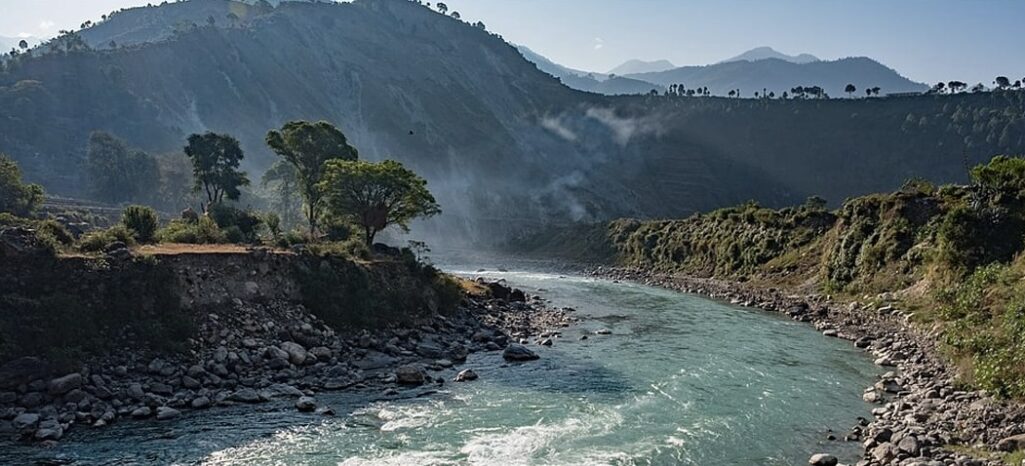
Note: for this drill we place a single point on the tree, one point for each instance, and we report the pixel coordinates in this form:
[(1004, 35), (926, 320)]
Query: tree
[(16, 197), (307, 146), (282, 178), (376, 195), (850, 89), (117, 174), (215, 160), (456, 15), (23, 44), (443, 8), (1002, 82)]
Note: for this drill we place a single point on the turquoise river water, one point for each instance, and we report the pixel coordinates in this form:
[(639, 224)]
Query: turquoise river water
[(681, 380)]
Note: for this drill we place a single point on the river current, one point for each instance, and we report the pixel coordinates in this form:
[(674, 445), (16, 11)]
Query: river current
[(680, 380)]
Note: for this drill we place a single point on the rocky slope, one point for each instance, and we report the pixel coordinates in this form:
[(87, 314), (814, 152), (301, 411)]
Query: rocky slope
[(250, 340)]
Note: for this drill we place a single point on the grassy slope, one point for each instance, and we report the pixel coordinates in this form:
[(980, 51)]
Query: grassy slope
[(951, 255)]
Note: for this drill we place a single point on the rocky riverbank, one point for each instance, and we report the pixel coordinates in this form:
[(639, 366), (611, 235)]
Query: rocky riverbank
[(922, 417), (256, 352)]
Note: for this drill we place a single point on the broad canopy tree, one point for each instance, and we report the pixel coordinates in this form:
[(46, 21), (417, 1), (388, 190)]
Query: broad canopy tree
[(118, 174), (307, 147), (215, 160), (376, 195)]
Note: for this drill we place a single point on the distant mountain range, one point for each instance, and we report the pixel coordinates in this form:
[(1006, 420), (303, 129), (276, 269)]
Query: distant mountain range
[(641, 66), (763, 53), (599, 83), (762, 69)]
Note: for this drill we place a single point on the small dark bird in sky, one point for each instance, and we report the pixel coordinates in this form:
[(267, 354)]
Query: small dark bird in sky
[(410, 132)]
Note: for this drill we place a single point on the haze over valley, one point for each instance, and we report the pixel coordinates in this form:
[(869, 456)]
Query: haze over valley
[(492, 232)]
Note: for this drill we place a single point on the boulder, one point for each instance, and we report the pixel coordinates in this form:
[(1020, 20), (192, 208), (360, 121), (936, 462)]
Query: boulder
[(165, 413), (26, 421), (296, 352), (409, 375), (200, 403), (823, 459), (466, 375), (306, 404), (1013, 443), (49, 429), (246, 395), (515, 352), (62, 385), (909, 445), (141, 413)]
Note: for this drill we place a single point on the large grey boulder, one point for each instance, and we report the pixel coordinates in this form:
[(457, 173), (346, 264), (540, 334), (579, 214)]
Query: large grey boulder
[(466, 375), (62, 385), (25, 421), (165, 413), (823, 459), (410, 375), (306, 404), (50, 429), (515, 352), (296, 352)]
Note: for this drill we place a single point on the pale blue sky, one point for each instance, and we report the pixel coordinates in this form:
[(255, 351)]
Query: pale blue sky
[(926, 40)]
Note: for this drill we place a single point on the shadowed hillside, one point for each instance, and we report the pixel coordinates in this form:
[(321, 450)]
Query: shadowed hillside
[(502, 144)]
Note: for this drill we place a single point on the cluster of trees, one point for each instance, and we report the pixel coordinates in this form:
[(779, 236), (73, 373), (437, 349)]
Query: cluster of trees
[(319, 179), (1000, 83), (801, 92)]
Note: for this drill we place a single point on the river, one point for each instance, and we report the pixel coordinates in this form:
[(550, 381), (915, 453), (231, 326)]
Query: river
[(680, 380)]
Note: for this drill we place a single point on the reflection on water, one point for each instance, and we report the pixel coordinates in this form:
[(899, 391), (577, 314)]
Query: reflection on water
[(681, 380)]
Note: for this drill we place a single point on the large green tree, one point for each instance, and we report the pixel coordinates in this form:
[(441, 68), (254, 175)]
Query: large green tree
[(118, 174), (376, 195), (281, 178), (215, 160), (16, 197), (307, 146)]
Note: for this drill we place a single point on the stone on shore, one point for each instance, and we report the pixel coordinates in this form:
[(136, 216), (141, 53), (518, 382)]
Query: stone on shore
[(50, 429), (296, 352), (409, 375), (143, 412), (62, 385), (306, 404), (165, 413), (823, 459), (466, 375), (515, 352)]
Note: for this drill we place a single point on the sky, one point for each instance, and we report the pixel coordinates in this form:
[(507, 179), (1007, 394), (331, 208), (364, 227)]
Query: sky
[(925, 40)]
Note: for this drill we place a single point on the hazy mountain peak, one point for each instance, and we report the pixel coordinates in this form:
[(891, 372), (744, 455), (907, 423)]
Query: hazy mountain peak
[(762, 53), (641, 66)]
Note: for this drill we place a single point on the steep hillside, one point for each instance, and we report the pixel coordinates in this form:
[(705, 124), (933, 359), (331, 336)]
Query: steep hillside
[(504, 146), (778, 75)]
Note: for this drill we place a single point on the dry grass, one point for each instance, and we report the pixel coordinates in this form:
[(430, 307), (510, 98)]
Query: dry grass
[(171, 249)]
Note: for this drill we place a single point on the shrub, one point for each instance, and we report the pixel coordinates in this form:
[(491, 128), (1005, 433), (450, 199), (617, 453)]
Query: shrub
[(247, 223), (205, 231), (16, 197), (273, 222), (1002, 173), (100, 240), (141, 220)]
